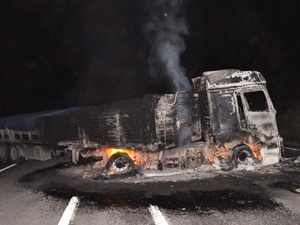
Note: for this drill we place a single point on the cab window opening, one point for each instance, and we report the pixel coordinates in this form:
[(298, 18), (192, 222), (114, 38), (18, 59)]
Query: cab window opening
[(257, 101)]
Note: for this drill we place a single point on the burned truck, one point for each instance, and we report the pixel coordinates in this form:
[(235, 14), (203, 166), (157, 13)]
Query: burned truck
[(226, 121)]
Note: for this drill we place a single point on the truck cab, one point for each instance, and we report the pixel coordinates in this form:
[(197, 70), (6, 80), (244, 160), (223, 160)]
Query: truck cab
[(236, 108)]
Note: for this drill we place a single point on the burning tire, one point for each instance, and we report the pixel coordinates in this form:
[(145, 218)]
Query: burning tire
[(119, 163), (15, 156), (242, 154), (3, 153)]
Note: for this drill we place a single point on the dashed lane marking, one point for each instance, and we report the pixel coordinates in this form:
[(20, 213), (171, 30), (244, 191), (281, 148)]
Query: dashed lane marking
[(69, 211), (157, 216), (7, 167)]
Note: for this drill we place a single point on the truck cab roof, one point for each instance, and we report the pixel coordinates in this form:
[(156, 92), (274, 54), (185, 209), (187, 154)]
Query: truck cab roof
[(227, 78)]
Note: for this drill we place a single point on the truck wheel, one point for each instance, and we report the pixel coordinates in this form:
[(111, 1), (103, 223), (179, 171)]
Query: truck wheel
[(119, 163), (240, 155), (14, 155), (3, 153)]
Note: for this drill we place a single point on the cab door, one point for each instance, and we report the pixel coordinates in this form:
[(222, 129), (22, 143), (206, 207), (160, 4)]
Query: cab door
[(256, 112), (224, 121)]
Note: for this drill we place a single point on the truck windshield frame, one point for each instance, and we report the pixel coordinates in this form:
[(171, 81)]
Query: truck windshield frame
[(256, 101)]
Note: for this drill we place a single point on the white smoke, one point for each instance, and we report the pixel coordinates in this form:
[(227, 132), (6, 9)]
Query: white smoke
[(165, 31)]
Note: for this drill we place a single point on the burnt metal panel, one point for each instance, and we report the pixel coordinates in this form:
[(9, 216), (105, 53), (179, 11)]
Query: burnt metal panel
[(132, 125), (165, 121), (123, 125), (91, 126), (260, 114), (60, 128), (176, 119), (238, 79), (149, 132), (224, 114), (215, 76), (199, 83), (205, 117), (188, 117), (111, 129)]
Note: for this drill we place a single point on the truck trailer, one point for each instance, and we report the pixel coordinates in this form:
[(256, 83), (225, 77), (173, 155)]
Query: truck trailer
[(227, 120)]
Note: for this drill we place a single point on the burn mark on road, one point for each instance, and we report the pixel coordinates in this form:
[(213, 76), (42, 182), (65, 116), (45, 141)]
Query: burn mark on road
[(196, 201), (290, 186), (200, 196)]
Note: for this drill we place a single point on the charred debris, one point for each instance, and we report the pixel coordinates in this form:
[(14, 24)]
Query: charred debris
[(227, 121)]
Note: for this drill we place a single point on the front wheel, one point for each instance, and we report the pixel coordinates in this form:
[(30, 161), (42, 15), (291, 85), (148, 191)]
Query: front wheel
[(14, 155), (119, 163), (242, 154)]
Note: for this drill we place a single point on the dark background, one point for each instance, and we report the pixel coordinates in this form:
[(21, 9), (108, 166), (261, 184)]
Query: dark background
[(59, 54)]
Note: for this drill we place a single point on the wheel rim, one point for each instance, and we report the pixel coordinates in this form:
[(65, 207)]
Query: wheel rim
[(242, 156), (120, 165), (14, 153)]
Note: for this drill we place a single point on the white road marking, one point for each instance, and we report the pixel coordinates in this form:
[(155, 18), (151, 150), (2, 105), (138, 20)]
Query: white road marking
[(69, 211), (8, 167), (294, 149), (158, 218)]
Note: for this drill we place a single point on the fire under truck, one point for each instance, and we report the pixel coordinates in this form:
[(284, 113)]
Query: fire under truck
[(228, 119)]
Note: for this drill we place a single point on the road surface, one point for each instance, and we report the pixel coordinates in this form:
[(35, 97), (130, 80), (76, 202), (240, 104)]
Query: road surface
[(45, 193)]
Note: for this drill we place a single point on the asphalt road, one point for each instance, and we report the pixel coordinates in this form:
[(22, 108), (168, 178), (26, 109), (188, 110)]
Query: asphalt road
[(39, 193)]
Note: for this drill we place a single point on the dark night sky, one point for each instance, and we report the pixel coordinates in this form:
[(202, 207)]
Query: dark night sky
[(60, 54)]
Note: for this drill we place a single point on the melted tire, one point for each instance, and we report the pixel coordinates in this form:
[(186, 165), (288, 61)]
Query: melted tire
[(119, 163), (240, 155)]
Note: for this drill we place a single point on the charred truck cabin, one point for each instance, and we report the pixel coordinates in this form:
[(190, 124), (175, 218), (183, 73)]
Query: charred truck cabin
[(227, 121)]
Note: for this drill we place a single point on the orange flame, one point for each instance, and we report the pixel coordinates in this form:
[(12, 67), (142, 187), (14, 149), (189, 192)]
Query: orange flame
[(138, 157), (256, 150), (221, 153)]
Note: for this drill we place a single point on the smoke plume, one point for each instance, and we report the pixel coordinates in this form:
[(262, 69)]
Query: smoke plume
[(165, 31)]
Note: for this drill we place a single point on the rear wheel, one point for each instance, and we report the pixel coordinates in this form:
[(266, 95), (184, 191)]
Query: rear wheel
[(3, 153), (119, 163), (14, 155)]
